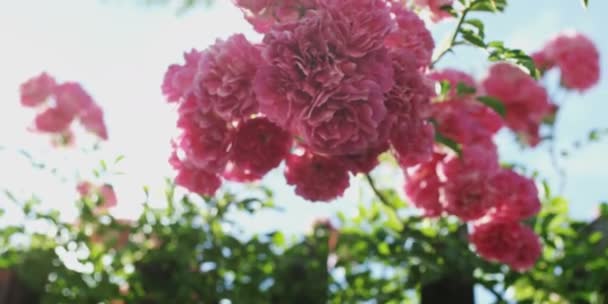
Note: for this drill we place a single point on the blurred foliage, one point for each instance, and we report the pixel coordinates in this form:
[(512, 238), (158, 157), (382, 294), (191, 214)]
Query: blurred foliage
[(191, 251)]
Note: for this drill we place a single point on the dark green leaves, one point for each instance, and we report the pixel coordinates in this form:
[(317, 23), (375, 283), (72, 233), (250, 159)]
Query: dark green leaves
[(498, 52), (463, 89), (493, 103), (489, 5), (473, 32), (585, 3)]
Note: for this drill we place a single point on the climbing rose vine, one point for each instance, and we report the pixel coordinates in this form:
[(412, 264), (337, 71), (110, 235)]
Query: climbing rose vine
[(333, 84)]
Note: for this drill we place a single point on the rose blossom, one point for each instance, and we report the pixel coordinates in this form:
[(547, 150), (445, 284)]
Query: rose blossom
[(263, 14), (179, 79), (422, 186), (324, 85), (508, 242), (224, 78), (364, 162), (529, 249), (52, 120), (466, 120), (466, 192), (410, 35), (36, 90), (411, 136), (316, 177), (92, 120), (577, 58), (194, 179), (525, 101), (259, 146), (205, 140), (516, 196)]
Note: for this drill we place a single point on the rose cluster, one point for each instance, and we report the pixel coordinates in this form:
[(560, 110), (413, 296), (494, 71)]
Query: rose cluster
[(58, 105), (472, 185), (575, 56), (334, 84)]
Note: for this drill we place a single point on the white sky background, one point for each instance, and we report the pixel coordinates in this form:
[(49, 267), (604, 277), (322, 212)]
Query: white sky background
[(119, 51)]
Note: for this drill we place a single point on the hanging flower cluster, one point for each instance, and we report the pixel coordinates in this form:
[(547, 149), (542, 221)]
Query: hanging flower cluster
[(58, 105), (472, 186), (332, 85)]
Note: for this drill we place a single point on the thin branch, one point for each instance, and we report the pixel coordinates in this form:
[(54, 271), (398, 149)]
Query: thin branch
[(452, 42), (377, 192), (554, 154)]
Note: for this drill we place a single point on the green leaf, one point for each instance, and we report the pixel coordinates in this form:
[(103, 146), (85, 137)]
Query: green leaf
[(478, 25), (450, 143), (463, 89), (392, 220), (488, 5), (493, 103), (384, 249), (278, 239), (445, 87), (595, 237), (585, 3), (473, 38)]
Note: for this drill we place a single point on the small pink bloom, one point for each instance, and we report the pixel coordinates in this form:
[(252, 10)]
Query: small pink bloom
[(364, 162), (516, 196), (84, 188), (508, 242), (411, 35), (577, 58), (465, 120), (225, 76), (52, 120), (36, 90), (263, 14), (359, 26), (108, 196), (259, 146), (435, 6), (205, 140), (466, 192), (542, 61), (422, 186), (408, 104), (92, 119), (526, 102), (316, 178), (179, 79), (194, 179), (528, 251), (71, 99)]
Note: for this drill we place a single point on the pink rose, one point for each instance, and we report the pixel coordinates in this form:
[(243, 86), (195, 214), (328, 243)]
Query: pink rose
[(316, 177), (37, 89), (525, 101), (224, 78)]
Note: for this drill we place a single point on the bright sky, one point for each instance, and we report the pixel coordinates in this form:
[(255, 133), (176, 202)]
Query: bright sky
[(119, 51)]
